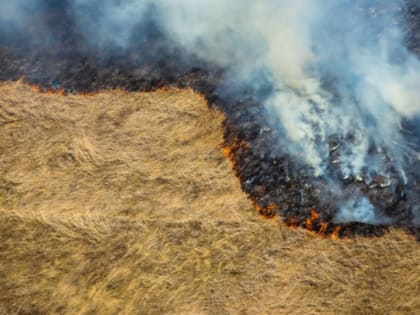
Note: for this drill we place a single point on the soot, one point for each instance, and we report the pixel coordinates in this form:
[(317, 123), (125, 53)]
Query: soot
[(55, 55)]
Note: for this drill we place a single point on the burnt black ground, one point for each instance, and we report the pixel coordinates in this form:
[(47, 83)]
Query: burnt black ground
[(53, 55)]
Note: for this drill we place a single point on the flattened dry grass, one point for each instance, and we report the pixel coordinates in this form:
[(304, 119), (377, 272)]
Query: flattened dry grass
[(123, 203)]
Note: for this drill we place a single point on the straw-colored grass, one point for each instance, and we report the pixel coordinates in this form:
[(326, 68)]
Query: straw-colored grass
[(123, 203)]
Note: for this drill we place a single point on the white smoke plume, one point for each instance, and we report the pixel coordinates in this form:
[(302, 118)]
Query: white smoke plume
[(339, 68), (360, 210)]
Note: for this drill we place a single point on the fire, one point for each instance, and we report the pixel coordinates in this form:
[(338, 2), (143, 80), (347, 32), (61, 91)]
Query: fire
[(267, 212), (323, 228), (56, 92), (314, 215), (309, 223), (60, 91), (336, 233), (292, 222), (313, 223), (36, 88), (229, 150)]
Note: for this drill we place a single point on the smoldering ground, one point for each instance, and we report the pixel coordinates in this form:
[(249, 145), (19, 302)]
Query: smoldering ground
[(335, 79)]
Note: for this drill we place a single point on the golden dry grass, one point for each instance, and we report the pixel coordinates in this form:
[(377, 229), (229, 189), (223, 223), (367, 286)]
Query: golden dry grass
[(123, 203)]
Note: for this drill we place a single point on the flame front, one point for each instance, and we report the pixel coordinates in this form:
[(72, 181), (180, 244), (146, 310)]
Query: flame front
[(37, 88), (322, 231), (292, 222), (336, 233)]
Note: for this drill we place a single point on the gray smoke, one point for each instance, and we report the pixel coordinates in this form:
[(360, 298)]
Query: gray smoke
[(360, 210), (15, 12), (339, 68)]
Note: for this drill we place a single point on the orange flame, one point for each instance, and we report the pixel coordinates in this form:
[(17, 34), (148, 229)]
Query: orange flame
[(271, 210), (323, 228), (230, 150), (56, 92), (36, 88), (314, 215), (227, 151), (309, 221), (336, 233), (267, 212), (292, 222), (309, 224)]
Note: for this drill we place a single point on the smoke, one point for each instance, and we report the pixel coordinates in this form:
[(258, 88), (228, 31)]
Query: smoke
[(360, 210), (22, 23), (340, 72), (110, 22), (16, 13)]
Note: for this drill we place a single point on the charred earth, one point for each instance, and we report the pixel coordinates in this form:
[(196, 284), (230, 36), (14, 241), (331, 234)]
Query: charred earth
[(54, 55)]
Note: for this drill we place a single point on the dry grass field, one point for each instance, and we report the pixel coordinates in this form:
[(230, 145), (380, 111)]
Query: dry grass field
[(123, 203)]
